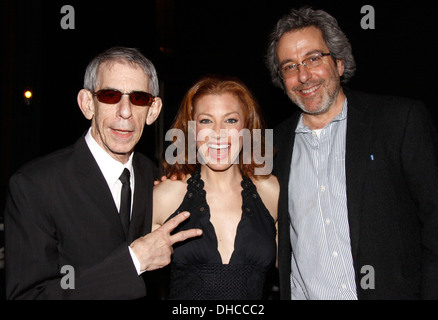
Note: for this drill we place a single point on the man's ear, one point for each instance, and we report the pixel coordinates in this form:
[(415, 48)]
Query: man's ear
[(340, 66), (154, 111), (86, 103)]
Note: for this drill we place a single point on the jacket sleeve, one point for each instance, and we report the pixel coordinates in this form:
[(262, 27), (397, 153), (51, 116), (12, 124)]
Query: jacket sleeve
[(420, 166)]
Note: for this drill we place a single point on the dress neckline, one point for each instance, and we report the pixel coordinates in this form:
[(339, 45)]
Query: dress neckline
[(195, 184)]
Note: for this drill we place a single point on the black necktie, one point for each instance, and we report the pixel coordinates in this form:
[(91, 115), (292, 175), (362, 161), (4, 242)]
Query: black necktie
[(125, 200)]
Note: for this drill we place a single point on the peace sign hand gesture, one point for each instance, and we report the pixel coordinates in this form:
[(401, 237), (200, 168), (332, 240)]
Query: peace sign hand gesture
[(154, 250)]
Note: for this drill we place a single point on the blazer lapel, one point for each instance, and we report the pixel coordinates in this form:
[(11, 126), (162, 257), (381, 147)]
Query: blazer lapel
[(284, 138), (91, 179), (141, 218), (282, 171), (284, 143), (356, 158)]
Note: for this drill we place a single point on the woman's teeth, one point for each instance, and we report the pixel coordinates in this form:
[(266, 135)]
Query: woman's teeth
[(218, 146)]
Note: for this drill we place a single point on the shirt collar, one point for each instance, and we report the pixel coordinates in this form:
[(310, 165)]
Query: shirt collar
[(111, 168), (302, 128)]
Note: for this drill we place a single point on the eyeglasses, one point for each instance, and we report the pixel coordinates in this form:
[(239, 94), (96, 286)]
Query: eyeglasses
[(138, 98), (313, 61)]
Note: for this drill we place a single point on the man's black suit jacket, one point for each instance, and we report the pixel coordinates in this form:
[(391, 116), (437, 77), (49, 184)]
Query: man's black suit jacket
[(60, 212), (391, 165)]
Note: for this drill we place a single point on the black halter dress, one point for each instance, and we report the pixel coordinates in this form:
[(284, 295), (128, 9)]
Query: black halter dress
[(197, 271)]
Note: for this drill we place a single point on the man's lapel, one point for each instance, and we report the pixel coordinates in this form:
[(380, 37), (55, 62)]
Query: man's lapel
[(141, 218), (91, 179), (284, 137), (356, 159), (284, 143)]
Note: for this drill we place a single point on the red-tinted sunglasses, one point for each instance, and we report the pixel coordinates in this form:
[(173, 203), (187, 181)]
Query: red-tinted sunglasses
[(138, 98)]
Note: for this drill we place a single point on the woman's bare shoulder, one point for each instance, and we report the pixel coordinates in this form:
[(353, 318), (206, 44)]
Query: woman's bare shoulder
[(269, 190), (167, 197), (268, 184)]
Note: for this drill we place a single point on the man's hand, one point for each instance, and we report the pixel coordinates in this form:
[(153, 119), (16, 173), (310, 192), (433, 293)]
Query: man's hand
[(163, 178), (173, 178), (154, 250)]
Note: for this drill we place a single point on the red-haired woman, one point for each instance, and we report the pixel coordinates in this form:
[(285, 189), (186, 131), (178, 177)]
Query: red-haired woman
[(228, 198)]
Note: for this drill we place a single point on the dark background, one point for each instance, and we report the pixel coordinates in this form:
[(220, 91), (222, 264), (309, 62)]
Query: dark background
[(185, 40)]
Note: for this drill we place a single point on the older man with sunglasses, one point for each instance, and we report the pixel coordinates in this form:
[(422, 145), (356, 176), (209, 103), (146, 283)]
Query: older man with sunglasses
[(78, 221)]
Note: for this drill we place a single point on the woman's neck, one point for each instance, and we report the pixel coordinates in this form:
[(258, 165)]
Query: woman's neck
[(223, 180)]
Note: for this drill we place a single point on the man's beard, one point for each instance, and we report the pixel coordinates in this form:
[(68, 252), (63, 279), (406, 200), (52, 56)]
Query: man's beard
[(328, 99)]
